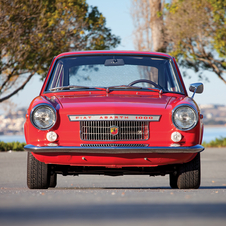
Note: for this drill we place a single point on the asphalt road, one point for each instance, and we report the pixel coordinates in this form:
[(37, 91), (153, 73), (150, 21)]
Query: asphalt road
[(102, 200)]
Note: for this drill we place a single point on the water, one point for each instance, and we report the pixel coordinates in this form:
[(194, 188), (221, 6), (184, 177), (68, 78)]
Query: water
[(12, 138), (210, 133)]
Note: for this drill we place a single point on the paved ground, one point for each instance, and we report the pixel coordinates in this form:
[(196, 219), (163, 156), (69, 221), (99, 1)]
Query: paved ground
[(102, 200)]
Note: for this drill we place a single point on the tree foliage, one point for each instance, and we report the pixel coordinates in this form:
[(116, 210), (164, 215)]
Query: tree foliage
[(32, 32), (196, 32), (193, 31)]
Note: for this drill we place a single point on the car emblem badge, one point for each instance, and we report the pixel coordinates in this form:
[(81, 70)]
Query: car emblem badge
[(114, 130)]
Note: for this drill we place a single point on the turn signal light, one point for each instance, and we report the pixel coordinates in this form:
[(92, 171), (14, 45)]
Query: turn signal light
[(176, 137), (51, 136)]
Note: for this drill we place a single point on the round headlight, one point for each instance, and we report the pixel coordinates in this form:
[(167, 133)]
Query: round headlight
[(43, 117), (185, 117)]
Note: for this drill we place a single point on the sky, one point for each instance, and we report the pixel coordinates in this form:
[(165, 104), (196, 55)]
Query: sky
[(119, 20)]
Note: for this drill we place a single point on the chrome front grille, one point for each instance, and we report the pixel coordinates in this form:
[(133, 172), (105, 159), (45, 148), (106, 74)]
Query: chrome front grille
[(126, 130)]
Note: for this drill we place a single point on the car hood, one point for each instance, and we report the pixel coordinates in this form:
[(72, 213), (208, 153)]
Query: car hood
[(113, 104)]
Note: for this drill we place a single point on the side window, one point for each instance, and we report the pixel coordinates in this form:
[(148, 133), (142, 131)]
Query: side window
[(58, 76), (173, 85)]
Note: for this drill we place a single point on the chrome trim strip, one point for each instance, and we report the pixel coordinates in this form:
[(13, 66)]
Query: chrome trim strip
[(113, 150), (153, 118)]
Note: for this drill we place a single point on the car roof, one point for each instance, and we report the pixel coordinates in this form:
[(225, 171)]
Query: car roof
[(117, 52)]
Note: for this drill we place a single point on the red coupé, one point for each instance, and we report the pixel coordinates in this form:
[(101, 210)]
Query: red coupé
[(114, 113)]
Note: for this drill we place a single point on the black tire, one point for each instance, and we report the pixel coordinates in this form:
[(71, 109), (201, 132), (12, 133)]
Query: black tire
[(38, 176), (189, 174), (53, 180)]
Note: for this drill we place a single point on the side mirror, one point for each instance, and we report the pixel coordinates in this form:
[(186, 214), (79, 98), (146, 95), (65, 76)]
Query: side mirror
[(196, 88)]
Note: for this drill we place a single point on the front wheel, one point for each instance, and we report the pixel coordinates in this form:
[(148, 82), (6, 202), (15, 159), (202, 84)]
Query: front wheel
[(38, 176), (188, 175)]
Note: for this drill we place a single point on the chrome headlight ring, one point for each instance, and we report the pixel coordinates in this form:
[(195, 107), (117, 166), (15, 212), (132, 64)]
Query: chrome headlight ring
[(184, 117), (43, 116)]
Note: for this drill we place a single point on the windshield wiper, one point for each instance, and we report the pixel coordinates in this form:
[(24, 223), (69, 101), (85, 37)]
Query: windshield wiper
[(153, 89), (75, 87), (124, 87), (160, 91), (68, 87), (107, 89)]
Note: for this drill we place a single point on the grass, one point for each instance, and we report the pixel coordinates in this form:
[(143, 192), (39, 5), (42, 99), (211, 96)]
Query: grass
[(218, 142), (11, 146)]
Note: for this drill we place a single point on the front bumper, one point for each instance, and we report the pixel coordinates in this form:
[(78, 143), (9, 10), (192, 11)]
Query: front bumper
[(113, 150)]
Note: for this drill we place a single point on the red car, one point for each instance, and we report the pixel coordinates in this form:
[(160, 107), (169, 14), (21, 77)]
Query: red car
[(114, 113)]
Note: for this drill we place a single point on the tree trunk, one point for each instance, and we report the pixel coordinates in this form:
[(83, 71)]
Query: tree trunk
[(149, 25), (157, 26)]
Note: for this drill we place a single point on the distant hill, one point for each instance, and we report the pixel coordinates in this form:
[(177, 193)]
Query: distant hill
[(12, 123), (213, 114)]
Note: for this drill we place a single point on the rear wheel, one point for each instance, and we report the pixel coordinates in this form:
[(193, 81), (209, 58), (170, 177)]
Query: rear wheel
[(38, 176), (188, 175)]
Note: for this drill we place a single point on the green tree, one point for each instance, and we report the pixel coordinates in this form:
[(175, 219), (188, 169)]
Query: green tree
[(192, 31), (196, 32), (33, 32)]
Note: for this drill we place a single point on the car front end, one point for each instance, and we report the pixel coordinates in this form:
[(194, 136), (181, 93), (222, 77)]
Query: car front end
[(114, 113)]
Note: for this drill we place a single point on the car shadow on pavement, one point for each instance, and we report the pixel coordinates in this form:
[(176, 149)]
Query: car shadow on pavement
[(112, 188), (212, 187), (135, 188)]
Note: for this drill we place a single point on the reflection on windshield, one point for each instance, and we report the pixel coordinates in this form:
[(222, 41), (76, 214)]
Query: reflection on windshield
[(114, 71)]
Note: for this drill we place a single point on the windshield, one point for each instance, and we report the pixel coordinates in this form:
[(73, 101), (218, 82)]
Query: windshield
[(114, 72)]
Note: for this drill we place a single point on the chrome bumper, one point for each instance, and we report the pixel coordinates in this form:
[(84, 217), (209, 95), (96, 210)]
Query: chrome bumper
[(113, 150)]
